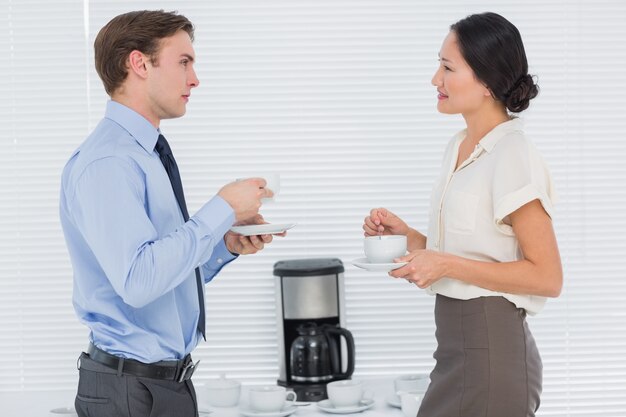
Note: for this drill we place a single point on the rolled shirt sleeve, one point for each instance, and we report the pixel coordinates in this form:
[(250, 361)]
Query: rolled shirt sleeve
[(521, 176)]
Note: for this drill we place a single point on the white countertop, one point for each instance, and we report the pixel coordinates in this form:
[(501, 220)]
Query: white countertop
[(382, 388), (39, 403)]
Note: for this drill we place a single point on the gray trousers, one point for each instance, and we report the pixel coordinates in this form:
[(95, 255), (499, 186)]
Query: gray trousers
[(487, 361), (102, 393)]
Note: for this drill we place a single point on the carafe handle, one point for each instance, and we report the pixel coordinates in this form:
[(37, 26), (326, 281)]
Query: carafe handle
[(335, 355)]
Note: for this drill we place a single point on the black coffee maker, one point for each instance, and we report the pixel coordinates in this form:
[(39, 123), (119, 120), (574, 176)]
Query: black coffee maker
[(314, 347)]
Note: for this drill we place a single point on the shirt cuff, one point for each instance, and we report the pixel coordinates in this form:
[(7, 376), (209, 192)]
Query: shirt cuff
[(215, 218), (220, 257), (517, 199)]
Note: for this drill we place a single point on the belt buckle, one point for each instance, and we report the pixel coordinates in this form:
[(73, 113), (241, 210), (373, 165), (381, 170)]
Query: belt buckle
[(188, 370)]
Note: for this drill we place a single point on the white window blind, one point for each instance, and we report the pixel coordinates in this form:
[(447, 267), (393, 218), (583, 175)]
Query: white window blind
[(43, 111), (336, 96)]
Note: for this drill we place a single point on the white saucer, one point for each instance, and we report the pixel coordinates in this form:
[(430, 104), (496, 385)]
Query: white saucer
[(326, 405), (393, 400), (290, 409), (365, 264), (262, 229), (63, 411)]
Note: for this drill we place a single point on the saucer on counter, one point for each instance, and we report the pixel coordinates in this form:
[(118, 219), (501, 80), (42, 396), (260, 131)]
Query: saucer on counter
[(288, 410), (63, 411), (327, 406), (393, 400)]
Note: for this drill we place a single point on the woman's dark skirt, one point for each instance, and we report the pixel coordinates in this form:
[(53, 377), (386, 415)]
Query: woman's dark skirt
[(487, 361)]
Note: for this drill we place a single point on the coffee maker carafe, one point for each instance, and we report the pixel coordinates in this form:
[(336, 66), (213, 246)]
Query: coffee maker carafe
[(316, 353), (310, 297)]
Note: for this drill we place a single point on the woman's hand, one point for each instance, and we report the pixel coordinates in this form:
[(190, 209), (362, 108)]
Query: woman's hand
[(383, 222), (424, 268)]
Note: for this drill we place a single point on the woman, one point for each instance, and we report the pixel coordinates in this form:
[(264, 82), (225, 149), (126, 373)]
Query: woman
[(491, 255)]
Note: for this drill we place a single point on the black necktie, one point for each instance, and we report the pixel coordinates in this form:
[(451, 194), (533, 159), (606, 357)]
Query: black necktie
[(165, 152)]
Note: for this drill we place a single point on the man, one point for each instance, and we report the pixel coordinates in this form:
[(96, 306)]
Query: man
[(140, 262)]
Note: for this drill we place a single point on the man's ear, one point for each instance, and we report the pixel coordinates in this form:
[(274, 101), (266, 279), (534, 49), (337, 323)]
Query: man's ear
[(138, 63)]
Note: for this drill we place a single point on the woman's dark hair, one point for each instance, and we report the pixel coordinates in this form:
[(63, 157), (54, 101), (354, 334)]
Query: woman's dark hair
[(493, 48)]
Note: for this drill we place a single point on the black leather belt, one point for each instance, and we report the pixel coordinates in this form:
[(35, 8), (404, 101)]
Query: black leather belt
[(180, 371)]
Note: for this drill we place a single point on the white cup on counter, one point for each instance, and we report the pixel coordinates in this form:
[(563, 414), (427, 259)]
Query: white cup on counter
[(411, 383), (270, 398), (221, 392), (410, 402), (347, 393)]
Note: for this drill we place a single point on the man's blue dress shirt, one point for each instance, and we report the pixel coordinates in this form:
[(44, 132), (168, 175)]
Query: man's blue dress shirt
[(133, 254)]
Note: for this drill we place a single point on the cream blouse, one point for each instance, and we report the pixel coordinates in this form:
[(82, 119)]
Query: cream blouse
[(469, 207)]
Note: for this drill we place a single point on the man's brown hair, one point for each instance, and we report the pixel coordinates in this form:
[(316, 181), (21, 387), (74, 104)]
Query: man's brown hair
[(139, 30)]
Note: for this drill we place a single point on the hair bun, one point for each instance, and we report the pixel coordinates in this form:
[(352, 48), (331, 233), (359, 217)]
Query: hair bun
[(519, 96)]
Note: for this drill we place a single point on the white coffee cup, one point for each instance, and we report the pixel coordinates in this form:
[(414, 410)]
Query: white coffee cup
[(410, 402), (221, 392), (384, 249), (346, 393), (411, 383), (272, 181), (270, 398)]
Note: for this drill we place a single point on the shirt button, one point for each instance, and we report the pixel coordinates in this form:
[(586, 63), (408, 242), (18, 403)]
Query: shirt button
[(220, 260)]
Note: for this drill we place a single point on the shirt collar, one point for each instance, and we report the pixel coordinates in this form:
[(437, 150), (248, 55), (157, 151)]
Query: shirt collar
[(489, 141), (134, 123)]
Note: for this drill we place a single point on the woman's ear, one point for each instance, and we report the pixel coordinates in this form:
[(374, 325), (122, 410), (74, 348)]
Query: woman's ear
[(137, 63)]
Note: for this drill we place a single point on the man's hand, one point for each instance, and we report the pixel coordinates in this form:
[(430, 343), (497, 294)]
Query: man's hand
[(245, 197), (247, 245)]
